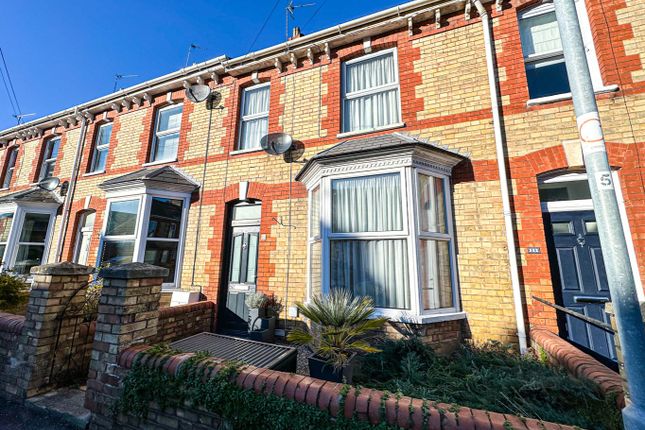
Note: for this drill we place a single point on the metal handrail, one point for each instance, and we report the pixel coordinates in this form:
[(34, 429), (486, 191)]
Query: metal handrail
[(600, 324)]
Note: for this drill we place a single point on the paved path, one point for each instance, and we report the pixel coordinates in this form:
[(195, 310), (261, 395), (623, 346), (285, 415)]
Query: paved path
[(17, 417)]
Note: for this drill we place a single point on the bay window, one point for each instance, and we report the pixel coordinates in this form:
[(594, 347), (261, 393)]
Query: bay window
[(385, 229), (254, 116), (165, 142), (371, 99), (546, 72), (6, 221), (147, 227)]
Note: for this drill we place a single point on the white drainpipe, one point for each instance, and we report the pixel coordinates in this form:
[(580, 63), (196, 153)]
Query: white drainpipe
[(503, 179)]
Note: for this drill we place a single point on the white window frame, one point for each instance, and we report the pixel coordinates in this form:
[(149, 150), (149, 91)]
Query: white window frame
[(159, 134), (49, 160), (12, 158), (246, 118), (590, 49), (140, 234), (100, 148), (410, 233), (81, 231), (383, 88), (13, 241)]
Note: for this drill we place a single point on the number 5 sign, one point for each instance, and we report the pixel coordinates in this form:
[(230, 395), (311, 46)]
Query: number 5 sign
[(604, 181)]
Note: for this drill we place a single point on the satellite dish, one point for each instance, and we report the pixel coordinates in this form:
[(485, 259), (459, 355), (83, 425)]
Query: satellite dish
[(276, 143), (49, 184), (198, 93)]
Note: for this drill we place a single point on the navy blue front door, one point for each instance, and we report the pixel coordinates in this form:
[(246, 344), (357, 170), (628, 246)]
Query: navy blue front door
[(579, 276)]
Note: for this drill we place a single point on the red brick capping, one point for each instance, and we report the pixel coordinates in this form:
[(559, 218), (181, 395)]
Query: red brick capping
[(10, 323), (365, 404), (578, 363)]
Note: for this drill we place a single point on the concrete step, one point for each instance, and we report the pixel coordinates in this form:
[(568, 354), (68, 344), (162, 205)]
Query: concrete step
[(64, 403)]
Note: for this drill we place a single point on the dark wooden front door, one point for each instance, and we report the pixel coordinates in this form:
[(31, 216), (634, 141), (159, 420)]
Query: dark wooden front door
[(579, 276)]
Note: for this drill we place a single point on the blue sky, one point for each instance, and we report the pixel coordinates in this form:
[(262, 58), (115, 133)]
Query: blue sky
[(61, 53)]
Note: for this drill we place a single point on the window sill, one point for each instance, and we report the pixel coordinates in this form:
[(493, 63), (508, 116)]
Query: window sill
[(447, 315), (156, 163), (567, 96), (372, 130), (4, 189), (245, 151), (99, 172)]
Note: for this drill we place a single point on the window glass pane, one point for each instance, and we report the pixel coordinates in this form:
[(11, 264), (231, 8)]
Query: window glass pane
[(540, 34), (372, 110), (100, 157), (122, 219), (314, 218), (104, 135), (252, 262), (436, 282), (432, 204), (6, 220), (256, 101), (547, 78), (246, 212), (561, 227), (163, 254), (117, 252), (27, 257), (368, 203), (3, 247), (563, 191), (34, 228), (370, 73), (166, 147), (252, 131), (591, 227), (165, 218), (236, 258), (52, 151), (315, 267), (169, 118), (11, 164), (374, 268), (48, 169)]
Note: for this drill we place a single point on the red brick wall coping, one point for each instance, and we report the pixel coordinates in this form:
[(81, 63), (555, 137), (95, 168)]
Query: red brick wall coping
[(189, 307), (10, 323), (579, 364), (406, 412)]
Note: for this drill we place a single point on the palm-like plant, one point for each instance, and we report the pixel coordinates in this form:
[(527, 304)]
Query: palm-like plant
[(341, 326)]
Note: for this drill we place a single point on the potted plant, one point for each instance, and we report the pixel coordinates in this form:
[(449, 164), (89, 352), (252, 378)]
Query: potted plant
[(263, 313), (341, 327)]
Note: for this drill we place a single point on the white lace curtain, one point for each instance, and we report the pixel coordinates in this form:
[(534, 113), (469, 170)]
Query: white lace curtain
[(371, 93), (255, 117), (540, 34)]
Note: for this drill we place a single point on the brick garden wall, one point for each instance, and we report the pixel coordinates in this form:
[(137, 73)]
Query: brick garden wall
[(10, 329), (178, 322)]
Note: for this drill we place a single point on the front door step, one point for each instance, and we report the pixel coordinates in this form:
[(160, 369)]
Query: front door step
[(64, 403)]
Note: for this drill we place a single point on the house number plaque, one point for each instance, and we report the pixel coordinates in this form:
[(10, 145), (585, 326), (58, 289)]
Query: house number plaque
[(534, 250)]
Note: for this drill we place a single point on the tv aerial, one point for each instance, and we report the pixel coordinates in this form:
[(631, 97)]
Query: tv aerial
[(276, 143), (119, 76)]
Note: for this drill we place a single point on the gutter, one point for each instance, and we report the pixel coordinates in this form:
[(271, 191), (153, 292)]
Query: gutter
[(503, 178)]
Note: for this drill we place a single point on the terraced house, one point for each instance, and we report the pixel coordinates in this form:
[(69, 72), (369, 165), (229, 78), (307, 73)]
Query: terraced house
[(401, 183)]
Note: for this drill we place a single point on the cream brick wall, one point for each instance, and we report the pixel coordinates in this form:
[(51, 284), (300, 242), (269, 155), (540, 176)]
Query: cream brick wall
[(632, 15), (66, 159), (130, 129), (204, 254), (301, 101), (198, 119), (452, 63), (30, 152)]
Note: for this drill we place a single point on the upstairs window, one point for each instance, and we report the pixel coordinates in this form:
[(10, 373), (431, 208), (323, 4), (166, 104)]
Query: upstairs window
[(254, 116), (371, 99), (101, 146), (166, 138), (546, 71), (49, 158), (12, 155)]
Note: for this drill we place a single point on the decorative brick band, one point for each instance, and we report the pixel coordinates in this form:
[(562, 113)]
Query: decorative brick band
[(406, 412), (10, 323), (579, 364)]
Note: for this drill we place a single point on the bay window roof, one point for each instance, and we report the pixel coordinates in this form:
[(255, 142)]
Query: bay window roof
[(33, 195), (166, 178), (393, 143)]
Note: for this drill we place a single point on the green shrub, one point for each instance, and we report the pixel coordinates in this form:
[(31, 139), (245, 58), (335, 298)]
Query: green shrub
[(14, 293), (491, 377)]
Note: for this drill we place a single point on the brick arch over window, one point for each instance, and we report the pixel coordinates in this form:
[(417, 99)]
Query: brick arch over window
[(534, 269)]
